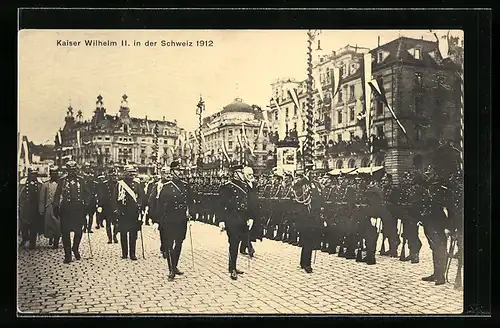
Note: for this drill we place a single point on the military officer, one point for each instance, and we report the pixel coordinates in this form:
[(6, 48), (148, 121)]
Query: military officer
[(435, 223), (106, 188), (392, 195), (52, 225), (235, 214), (91, 202), (70, 205), (148, 190), (253, 233), (411, 200), (173, 202), (31, 222), (127, 207)]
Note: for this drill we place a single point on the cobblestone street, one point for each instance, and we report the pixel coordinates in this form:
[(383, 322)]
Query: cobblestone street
[(272, 284)]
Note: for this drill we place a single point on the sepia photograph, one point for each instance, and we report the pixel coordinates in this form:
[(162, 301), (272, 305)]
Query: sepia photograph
[(236, 172)]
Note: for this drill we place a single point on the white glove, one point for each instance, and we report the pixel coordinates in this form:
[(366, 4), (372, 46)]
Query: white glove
[(155, 226), (99, 209), (373, 222), (447, 232), (250, 224), (419, 223), (324, 223), (222, 226)]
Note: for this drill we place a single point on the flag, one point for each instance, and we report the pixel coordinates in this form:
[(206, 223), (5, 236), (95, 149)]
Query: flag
[(443, 44), (367, 77), (282, 127), (377, 88), (336, 81), (224, 150), (59, 138), (26, 153), (147, 125), (261, 129), (78, 138), (317, 81)]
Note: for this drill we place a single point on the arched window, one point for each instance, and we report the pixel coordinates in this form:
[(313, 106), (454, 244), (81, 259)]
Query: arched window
[(340, 164), (379, 161), (417, 162), (352, 163), (125, 128), (365, 162)]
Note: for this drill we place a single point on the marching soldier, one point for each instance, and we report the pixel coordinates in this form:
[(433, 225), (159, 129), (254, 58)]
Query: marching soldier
[(31, 222), (235, 214), (70, 205), (92, 201), (106, 188), (172, 212), (52, 225), (127, 206)]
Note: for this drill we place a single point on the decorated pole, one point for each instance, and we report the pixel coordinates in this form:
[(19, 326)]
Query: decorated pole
[(156, 148), (200, 107), (309, 142)]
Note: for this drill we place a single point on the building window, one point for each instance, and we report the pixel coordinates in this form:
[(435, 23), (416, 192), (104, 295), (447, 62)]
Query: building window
[(351, 135), (339, 116), (230, 132), (380, 57), (276, 115), (418, 132), (380, 108), (119, 139), (418, 53), (264, 146), (325, 140), (365, 162), (107, 139), (255, 132), (286, 127), (106, 150), (352, 113), (143, 151), (294, 110), (125, 128), (418, 79), (339, 95), (143, 161), (230, 145), (339, 137), (339, 164), (165, 142), (352, 163), (143, 131), (99, 138), (380, 130), (351, 92), (303, 125)]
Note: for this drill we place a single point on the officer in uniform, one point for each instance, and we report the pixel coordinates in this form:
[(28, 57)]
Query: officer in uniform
[(106, 188), (127, 207), (349, 224), (31, 222), (52, 228), (392, 195), (70, 205), (435, 222), (413, 193), (253, 234), (173, 202), (235, 214), (92, 198)]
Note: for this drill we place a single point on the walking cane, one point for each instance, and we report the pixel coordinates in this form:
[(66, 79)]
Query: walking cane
[(450, 256), (191, 240), (142, 243), (90, 245)]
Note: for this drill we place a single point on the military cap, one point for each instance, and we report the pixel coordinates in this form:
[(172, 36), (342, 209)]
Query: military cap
[(53, 169), (130, 168), (71, 165)]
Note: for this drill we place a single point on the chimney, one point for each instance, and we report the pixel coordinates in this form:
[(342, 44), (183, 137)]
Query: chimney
[(163, 118)]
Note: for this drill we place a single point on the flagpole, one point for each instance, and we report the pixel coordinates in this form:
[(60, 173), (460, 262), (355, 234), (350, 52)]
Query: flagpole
[(308, 145)]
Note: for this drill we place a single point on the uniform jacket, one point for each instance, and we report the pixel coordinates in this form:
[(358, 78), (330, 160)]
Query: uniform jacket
[(29, 203), (52, 227), (170, 200), (237, 204), (70, 202), (126, 207)]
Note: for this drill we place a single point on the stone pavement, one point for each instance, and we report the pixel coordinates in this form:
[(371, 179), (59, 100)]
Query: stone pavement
[(273, 284)]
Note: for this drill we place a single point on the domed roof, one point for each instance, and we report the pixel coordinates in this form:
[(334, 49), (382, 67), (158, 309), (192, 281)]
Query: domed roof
[(238, 106)]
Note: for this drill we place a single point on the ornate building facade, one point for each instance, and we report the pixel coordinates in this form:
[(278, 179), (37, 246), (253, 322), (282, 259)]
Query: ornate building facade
[(419, 86), (239, 130), (117, 139)]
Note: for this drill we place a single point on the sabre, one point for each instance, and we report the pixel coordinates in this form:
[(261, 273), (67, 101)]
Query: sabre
[(191, 239), (142, 243)]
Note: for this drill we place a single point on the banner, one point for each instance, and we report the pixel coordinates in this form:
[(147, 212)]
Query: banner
[(367, 64), (286, 159)]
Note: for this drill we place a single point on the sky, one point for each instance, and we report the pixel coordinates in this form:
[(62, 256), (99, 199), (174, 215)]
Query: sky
[(163, 81)]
